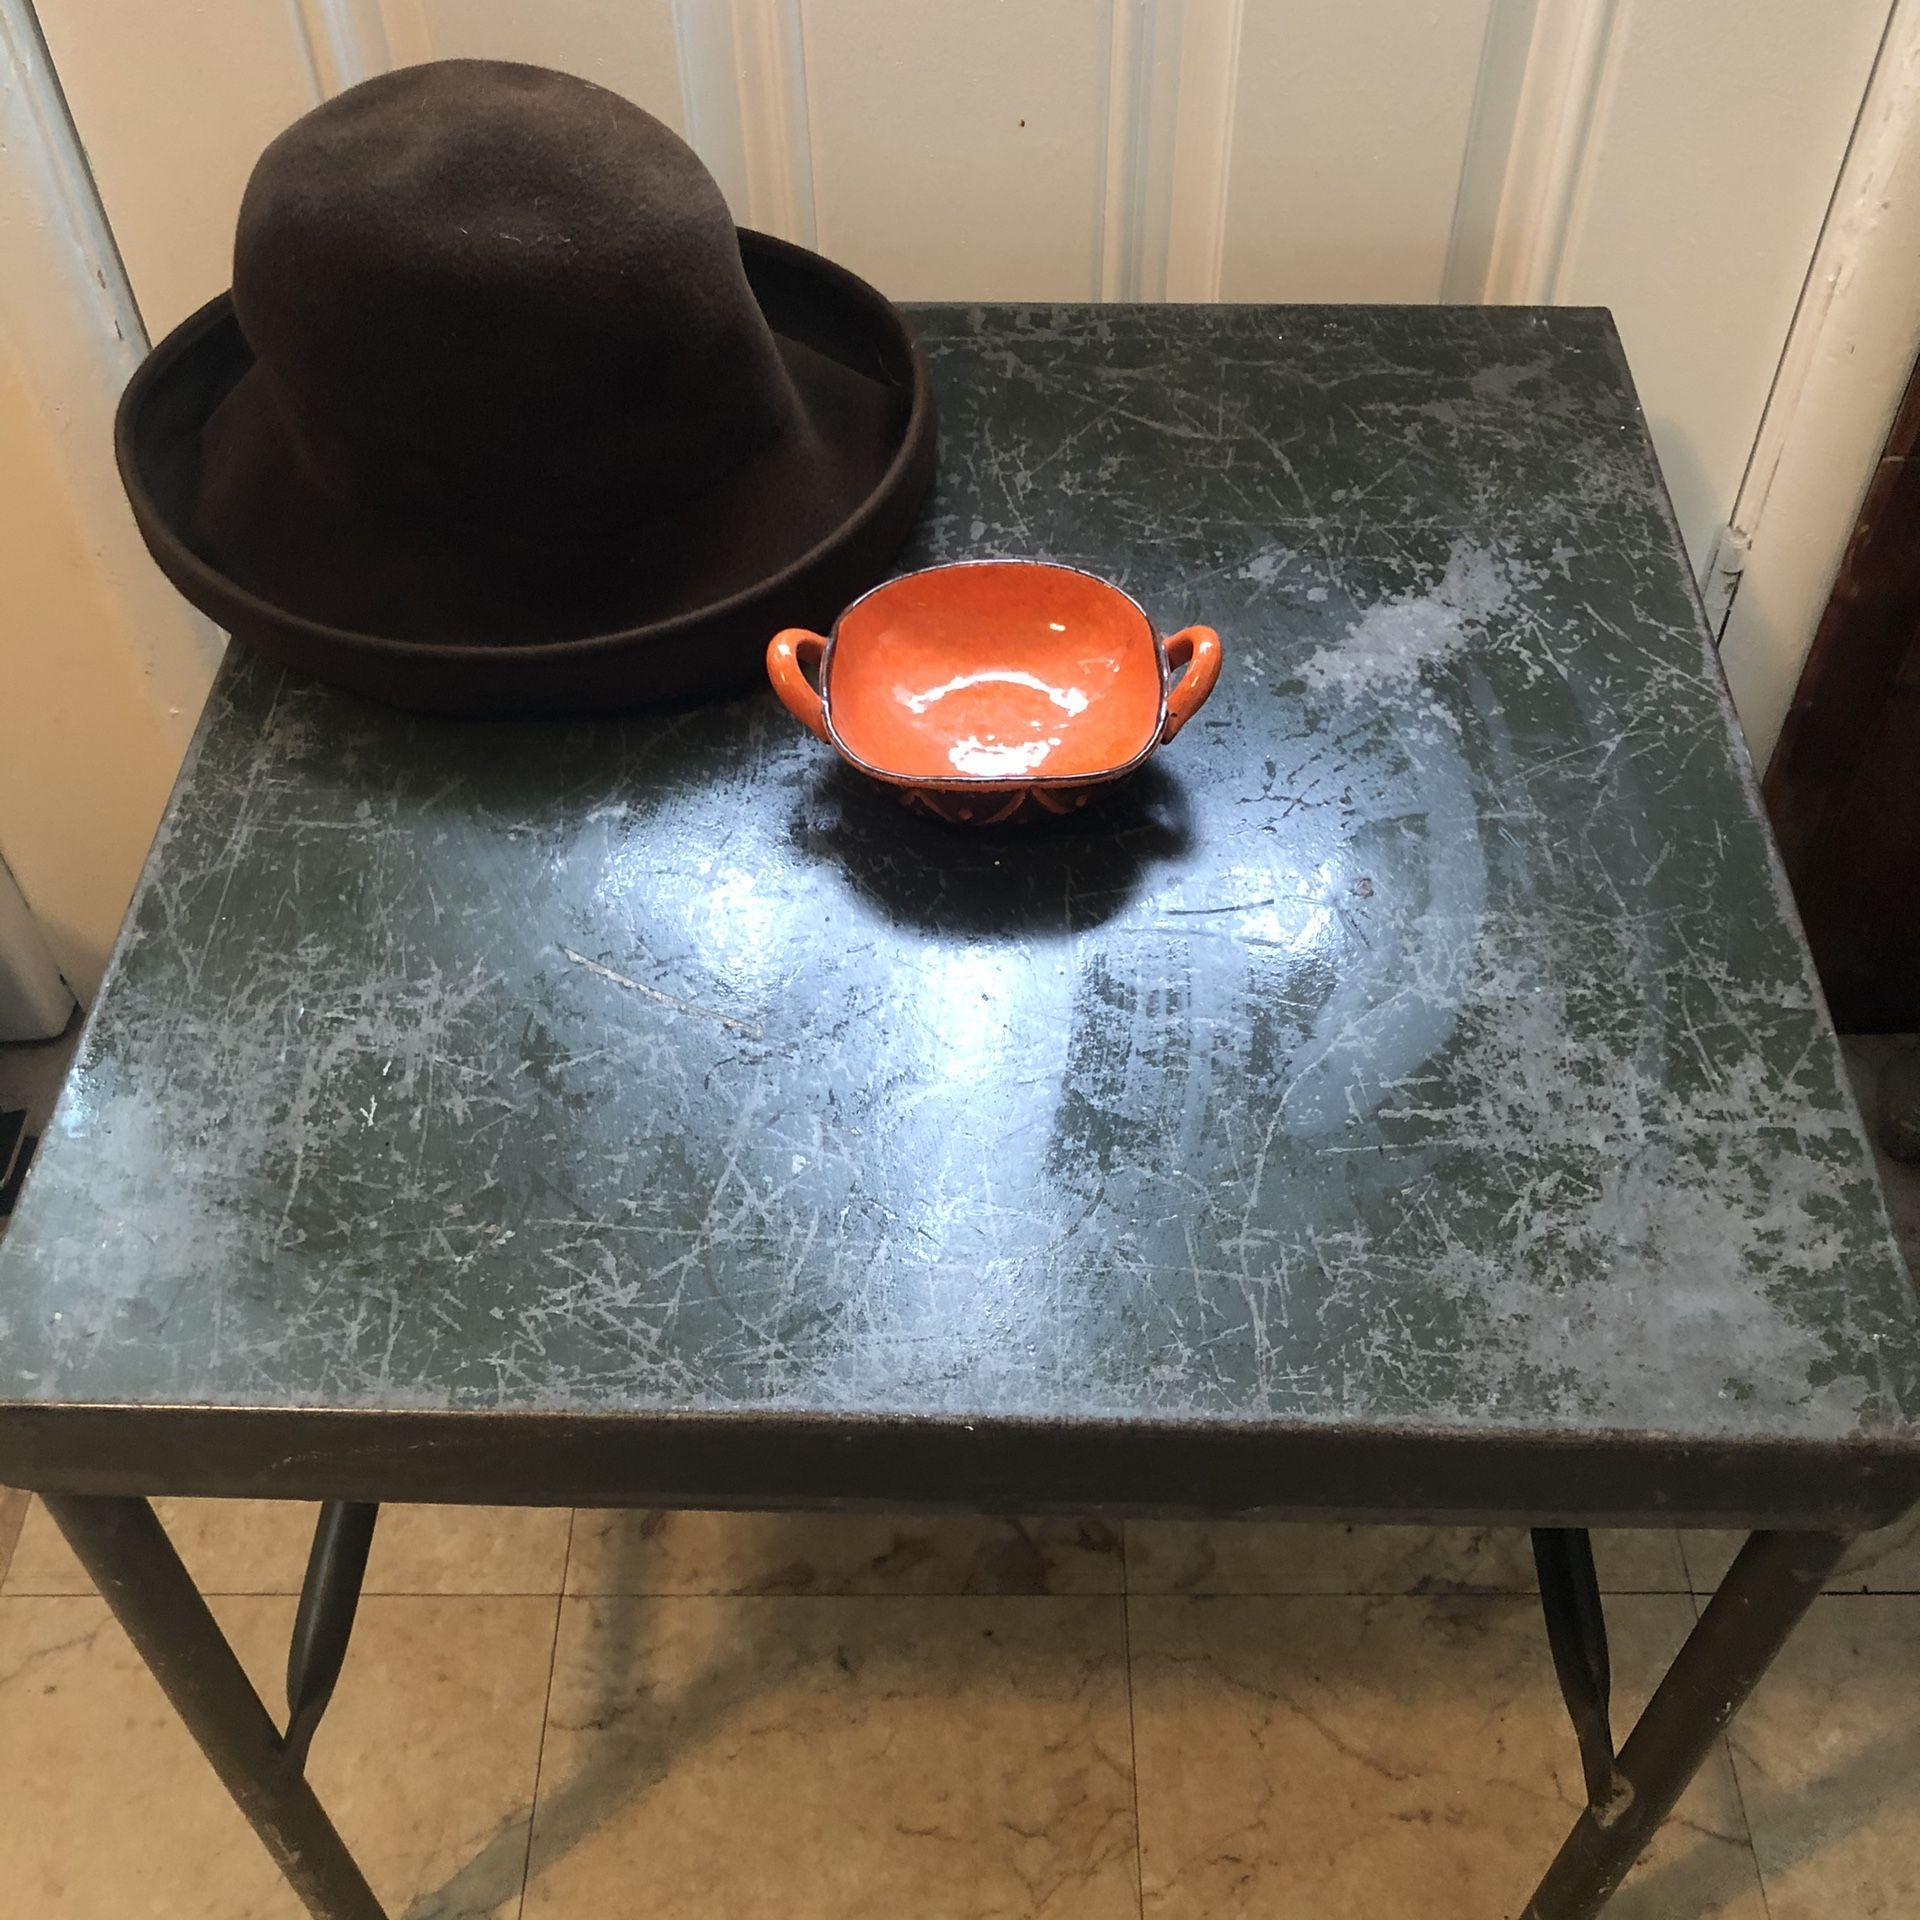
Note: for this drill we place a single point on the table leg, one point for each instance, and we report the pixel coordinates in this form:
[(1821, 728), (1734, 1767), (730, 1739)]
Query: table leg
[(329, 1599), (1576, 1623), (1767, 1589), (132, 1562)]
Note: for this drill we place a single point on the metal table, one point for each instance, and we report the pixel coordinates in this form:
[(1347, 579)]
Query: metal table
[(1408, 1100)]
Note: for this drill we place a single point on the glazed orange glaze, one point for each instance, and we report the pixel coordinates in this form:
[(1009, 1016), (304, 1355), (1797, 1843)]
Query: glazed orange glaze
[(1006, 670)]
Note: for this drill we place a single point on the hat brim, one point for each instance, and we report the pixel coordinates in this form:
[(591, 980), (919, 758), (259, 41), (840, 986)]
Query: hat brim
[(700, 651)]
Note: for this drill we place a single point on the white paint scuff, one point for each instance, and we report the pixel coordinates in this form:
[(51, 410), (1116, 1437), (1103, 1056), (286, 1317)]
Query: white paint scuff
[(1392, 641)]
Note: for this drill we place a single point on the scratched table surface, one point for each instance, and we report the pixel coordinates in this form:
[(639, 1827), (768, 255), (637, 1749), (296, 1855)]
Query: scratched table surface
[(1411, 1091)]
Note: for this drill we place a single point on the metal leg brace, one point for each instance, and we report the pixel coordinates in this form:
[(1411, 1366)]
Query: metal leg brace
[(329, 1598), (1577, 1637), (1768, 1588), (132, 1562)]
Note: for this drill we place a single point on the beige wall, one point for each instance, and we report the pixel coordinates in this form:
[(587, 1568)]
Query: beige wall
[(86, 753), (104, 670)]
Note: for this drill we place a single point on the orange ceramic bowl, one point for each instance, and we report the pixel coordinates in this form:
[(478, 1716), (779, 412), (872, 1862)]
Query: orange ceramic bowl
[(995, 686)]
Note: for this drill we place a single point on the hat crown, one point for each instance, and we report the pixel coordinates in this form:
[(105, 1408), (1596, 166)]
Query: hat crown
[(503, 297)]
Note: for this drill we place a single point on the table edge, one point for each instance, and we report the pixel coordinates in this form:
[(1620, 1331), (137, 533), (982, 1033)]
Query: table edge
[(1001, 1464)]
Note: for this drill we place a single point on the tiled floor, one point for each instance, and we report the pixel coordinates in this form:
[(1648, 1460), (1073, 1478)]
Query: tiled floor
[(697, 1715)]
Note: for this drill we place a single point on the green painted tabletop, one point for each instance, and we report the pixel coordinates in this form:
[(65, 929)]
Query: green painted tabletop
[(1422, 1050)]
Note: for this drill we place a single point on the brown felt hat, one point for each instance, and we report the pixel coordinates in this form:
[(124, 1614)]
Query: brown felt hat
[(505, 415)]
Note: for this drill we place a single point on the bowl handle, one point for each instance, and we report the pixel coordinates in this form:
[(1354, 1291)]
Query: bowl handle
[(789, 655), (1198, 650)]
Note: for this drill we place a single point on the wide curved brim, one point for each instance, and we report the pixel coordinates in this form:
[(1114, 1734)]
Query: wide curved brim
[(701, 651)]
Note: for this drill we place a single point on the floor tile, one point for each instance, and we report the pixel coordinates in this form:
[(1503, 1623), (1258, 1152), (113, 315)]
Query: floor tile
[(1355, 1759), (1708, 1554), (653, 1551), (427, 1761), (1257, 1557), (1828, 1757), (857, 1758), (1886, 1561), (260, 1546), (14, 1507)]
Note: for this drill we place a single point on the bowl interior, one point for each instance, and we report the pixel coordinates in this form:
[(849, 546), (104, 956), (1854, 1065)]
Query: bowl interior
[(1006, 671)]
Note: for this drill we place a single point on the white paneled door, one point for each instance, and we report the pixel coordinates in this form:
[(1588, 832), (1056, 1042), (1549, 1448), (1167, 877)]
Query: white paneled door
[(1670, 159)]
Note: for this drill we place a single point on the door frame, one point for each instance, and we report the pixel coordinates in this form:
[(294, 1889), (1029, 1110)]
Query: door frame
[(1844, 369)]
